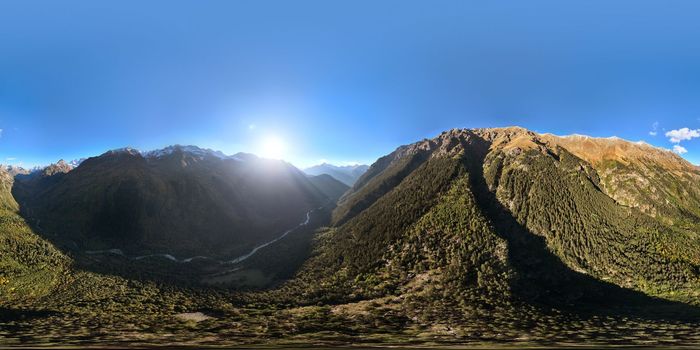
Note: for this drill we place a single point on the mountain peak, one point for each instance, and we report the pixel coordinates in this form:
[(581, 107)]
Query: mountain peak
[(197, 152), (329, 165), (186, 149), (60, 167), (125, 151), (14, 170), (589, 148)]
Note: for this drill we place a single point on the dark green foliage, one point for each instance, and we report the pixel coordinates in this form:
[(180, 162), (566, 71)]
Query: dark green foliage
[(30, 267), (558, 200), (369, 233), (669, 196), (374, 185), (477, 236), (511, 234), (182, 204)]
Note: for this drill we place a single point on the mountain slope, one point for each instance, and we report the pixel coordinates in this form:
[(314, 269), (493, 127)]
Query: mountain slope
[(656, 181), (346, 174), (481, 236), (331, 188), (497, 216), (30, 267), (181, 200)]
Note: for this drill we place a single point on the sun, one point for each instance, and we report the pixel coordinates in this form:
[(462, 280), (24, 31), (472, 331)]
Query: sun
[(272, 147)]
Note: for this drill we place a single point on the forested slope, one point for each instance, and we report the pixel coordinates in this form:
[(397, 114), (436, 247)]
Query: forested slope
[(30, 267), (500, 210)]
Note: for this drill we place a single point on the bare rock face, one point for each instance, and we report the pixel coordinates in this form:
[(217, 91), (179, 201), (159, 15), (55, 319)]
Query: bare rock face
[(61, 167), (14, 170)]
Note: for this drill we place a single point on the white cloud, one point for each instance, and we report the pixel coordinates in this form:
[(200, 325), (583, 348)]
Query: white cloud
[(251, 127), (9, 159), (679, 149), (676, 136), (0, 132), (654, 127)]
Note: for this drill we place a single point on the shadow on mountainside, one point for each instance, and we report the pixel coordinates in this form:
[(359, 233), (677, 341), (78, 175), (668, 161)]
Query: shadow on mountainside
[(272, 262), (544, 280)]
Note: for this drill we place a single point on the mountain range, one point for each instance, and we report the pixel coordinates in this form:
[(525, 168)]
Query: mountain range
[(347, 174), (181, 200), (476, 236)]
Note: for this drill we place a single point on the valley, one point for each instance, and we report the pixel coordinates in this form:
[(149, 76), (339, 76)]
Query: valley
[(479, 237), (349, 174), (233, 261)]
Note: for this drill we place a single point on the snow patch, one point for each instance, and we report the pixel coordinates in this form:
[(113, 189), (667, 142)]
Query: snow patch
[(191, 150)]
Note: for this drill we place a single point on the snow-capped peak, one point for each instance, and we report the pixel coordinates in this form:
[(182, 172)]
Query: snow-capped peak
[(127, 150), (191, 150), (76, 162)]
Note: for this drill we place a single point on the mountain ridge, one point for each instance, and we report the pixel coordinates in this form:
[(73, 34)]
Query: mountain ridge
[(347, 174), (523, 149), (475, 236), (155, 201)]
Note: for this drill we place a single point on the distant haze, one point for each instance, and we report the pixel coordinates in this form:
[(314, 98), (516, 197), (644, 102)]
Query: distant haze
[(346, 174)]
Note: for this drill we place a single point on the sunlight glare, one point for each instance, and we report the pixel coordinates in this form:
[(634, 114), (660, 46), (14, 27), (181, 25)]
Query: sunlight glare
[(272, 147)]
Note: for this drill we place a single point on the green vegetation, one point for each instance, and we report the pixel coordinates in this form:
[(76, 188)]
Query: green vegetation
[(29, 266), (672, 197), (375, 183), (588, 231), (182, 203), (464, 239)]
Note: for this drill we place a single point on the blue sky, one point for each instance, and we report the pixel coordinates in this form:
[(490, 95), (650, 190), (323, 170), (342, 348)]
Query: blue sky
[(344, 81)]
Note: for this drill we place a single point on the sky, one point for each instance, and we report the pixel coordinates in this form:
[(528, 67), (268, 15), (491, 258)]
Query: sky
[(340, 81)]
